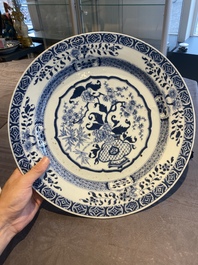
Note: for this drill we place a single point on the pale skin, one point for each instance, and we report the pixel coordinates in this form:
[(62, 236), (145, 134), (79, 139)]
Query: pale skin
[(19, 202)]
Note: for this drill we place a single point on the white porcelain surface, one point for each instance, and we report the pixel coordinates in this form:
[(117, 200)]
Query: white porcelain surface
[(113, 115)]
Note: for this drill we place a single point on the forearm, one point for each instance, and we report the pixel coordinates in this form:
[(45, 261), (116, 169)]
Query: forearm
[(5, 233), (5, 236)]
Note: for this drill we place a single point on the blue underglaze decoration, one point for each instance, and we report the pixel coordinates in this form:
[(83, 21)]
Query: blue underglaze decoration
[(97, 129), (112, 148)]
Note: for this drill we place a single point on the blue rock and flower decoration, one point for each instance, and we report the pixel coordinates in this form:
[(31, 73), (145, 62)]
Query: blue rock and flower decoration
[(100, 124)]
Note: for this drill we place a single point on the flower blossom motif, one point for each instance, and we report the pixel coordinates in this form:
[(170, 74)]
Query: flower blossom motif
[(165, 167), (131, 105), (127, 194), (43, 73), (70, 117), (110, 94), (103, 133), (176, 104), (172, 93), (87, 96), (27, 145), (84, 50), (75, 53), (26, 133)]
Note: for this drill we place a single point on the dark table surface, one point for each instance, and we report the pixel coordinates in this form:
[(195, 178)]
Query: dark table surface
[(166, 233), (22, 52)]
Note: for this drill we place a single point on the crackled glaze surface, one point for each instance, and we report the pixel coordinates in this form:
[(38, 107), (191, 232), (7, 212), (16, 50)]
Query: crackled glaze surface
[(113, 115)]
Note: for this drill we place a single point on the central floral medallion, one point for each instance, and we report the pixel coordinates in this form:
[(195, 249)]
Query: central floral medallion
[(102, 124)]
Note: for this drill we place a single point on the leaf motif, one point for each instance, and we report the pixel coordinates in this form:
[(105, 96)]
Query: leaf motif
[(145, 59), (102, 108), (36, 81), (109, 202), (178, 134), (57, 187), (172, 134), (94, 126), (85, 200), (96, 117), (174, 121), (156, 169), (129, 139), (111, 53), (158, 71), (77, 92), (94, 87), (156, 178), (94, 194), (24, 116)]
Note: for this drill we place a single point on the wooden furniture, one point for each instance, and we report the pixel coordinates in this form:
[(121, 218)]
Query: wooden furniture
[(186, 62), (20, 52)]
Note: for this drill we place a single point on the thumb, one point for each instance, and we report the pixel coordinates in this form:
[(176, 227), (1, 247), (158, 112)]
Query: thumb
[(37, 170)]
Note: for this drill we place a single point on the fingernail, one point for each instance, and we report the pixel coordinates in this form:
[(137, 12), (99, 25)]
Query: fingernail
[(45, 160)]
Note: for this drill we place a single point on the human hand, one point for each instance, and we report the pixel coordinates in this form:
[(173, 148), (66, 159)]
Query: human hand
[(19, 202)]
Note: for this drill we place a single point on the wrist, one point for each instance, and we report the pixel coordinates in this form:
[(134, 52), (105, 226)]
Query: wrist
[(5, 237), (6, 233)]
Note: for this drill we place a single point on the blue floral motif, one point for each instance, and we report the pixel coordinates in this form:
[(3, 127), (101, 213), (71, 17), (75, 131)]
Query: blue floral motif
[(92, 128), (61, 47), (125, 195), (25, 82), (35, 68), (110, 38), (157, 57), (81, 55), (170, 98), (31, 137), (94, 38), (48, 55), (148, 184), (168, 68), (126, 41), (142, 47), (77, 41), (103, 133)]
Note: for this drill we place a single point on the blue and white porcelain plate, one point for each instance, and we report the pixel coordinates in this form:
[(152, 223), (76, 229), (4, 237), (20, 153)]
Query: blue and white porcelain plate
[(113, 115)]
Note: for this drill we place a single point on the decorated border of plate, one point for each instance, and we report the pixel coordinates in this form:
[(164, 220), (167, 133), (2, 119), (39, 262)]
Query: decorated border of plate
[(30, 135)]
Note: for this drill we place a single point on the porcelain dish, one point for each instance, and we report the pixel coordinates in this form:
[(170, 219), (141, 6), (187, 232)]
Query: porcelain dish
[(113, 115)]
